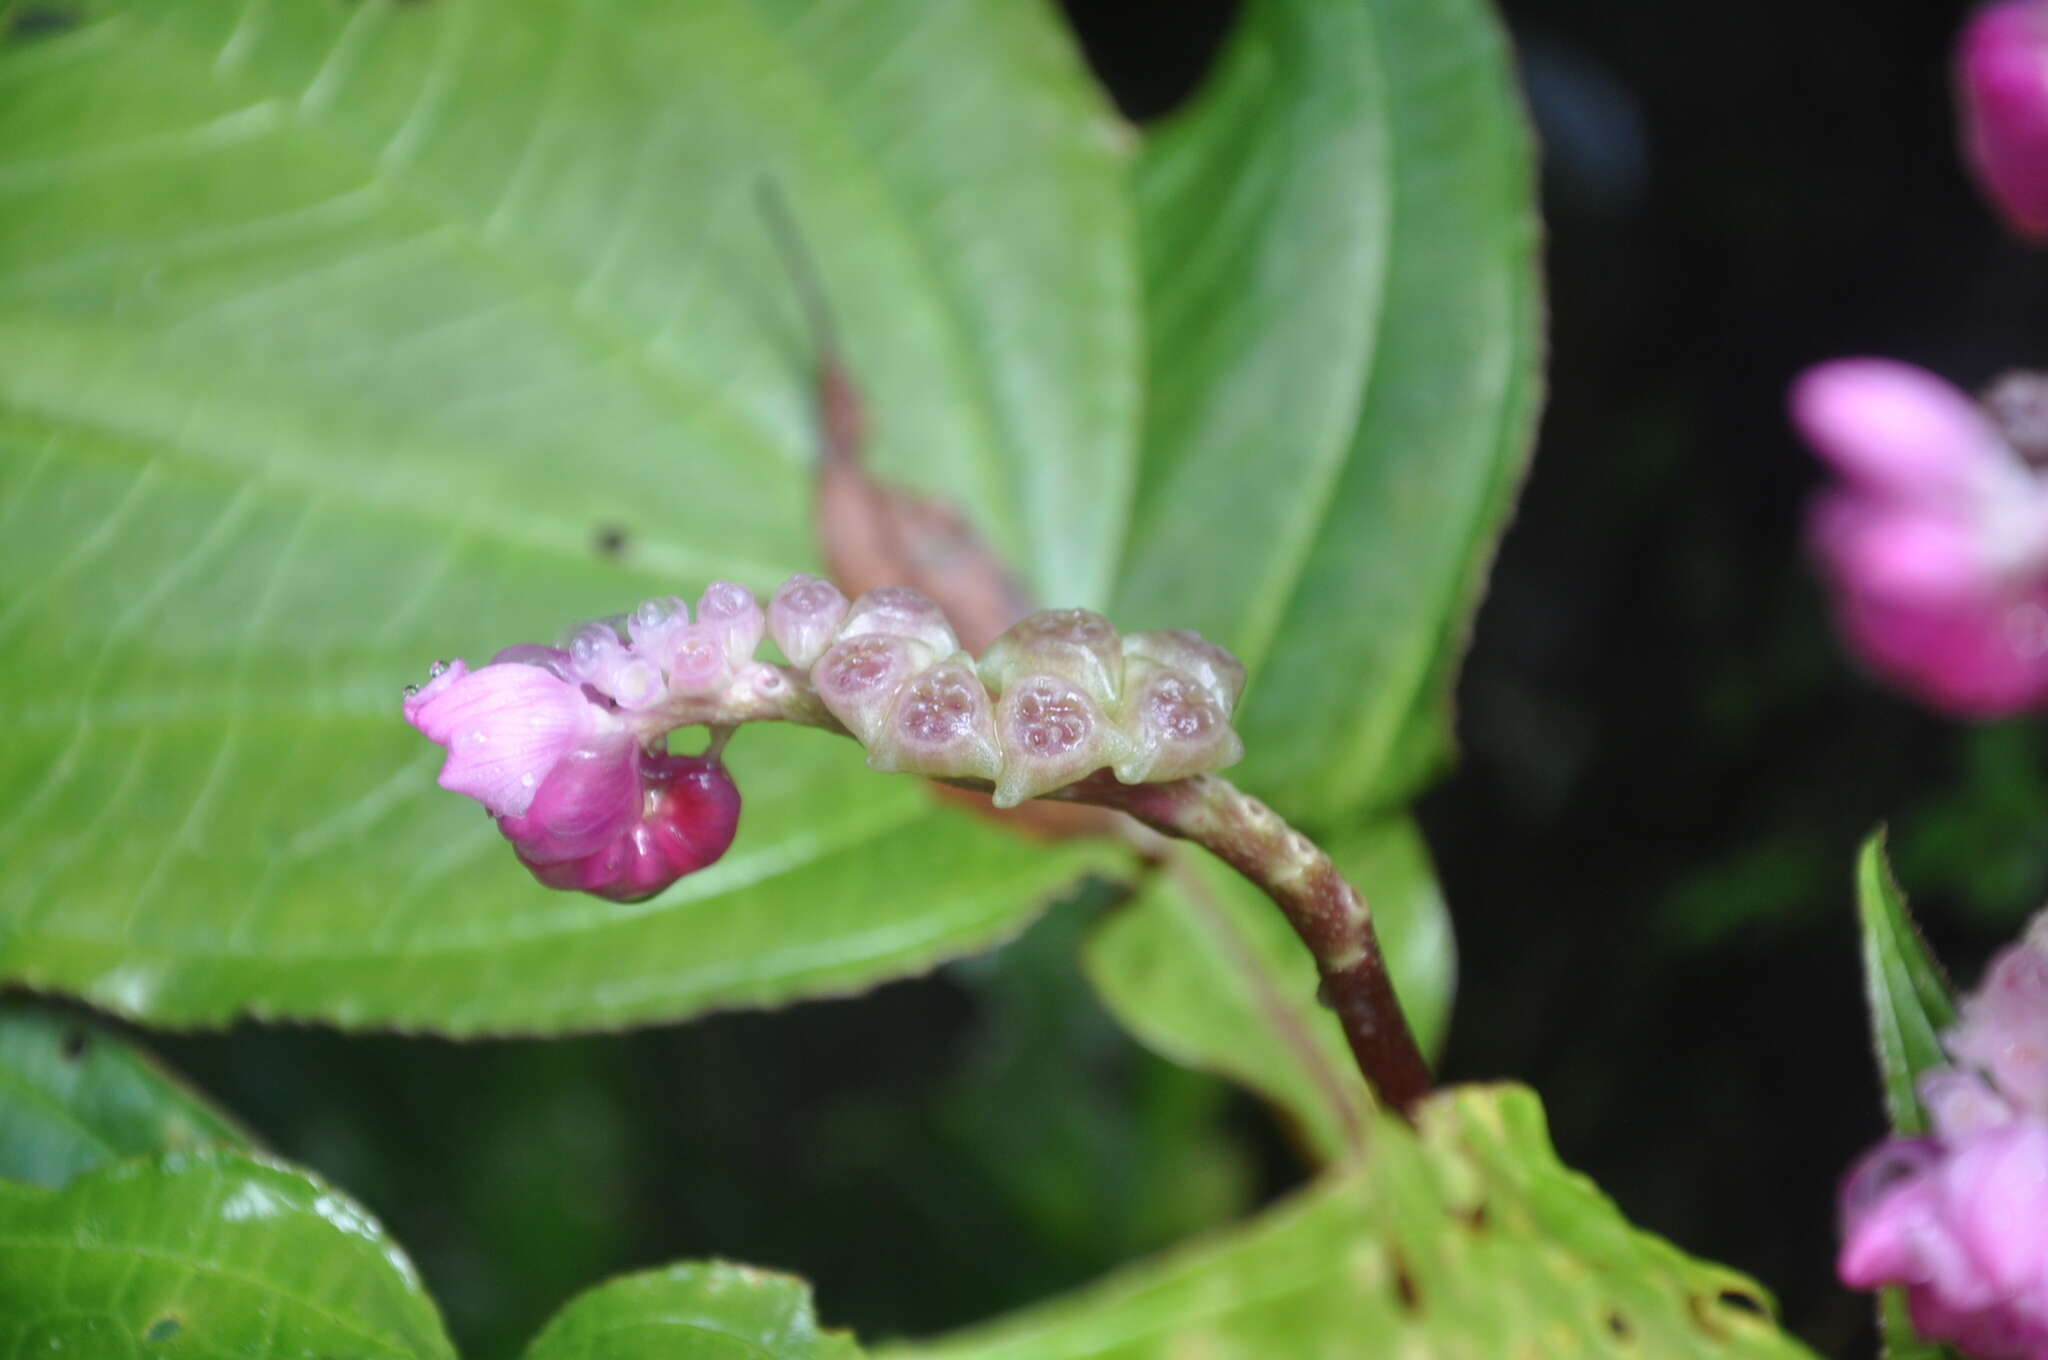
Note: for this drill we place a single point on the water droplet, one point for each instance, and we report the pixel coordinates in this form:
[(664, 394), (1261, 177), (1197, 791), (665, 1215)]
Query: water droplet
[(437, 670), (412, 691), (527, 781)]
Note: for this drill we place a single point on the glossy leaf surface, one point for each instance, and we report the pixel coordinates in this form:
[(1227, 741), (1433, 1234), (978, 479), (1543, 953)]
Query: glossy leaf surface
[(206, 1254), (698, 1311), (73, 1096)]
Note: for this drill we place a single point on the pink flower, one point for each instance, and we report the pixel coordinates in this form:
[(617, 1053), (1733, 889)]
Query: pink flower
[(1960, 1219), (2002, 94), (506, 727), (1962, 1224), (567, 747), (1936, 541)]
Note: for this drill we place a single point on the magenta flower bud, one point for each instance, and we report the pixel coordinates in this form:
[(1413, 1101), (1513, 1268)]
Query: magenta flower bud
[(1221, 673), (942, 725), (858, 679), (804, 616), (1176, 726), (1052, 733), (683, 814), (1076, 644), (899, 611), (731, 613), (2002, 91), (505, 727)]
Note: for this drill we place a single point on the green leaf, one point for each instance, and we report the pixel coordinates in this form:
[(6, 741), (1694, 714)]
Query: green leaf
[(1339, 245), (699, 1311), (1910, 1006), (1464, 1238), (1206, 971), (338, 337), (204, 1253), (72, 1096), (1909, 999)]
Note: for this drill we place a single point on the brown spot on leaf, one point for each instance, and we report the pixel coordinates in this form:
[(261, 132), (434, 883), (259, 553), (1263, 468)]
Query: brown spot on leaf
[(611, 540), (1405, 1292), (73, 1045)]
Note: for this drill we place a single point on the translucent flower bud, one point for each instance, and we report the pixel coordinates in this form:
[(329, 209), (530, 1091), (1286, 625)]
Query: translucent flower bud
[(600, 659), (941, 725), (731, 612), (1187, 651), (653, 623), (686, 811), (899, 611), (858, 678), (2000, 84), (1076, 644), (696, 660), (1176, 725), (803, 617), (1052, 733), (534, 654)]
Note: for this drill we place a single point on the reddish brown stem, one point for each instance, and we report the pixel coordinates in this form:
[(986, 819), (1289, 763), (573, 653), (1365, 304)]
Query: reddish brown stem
[(1328, 914)]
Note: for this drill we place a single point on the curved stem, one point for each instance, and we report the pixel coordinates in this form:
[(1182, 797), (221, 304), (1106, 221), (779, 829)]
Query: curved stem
[(1329, 915)]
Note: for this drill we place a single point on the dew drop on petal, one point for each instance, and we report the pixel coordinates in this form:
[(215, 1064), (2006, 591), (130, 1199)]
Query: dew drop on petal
[(412, 691), (437, 670)]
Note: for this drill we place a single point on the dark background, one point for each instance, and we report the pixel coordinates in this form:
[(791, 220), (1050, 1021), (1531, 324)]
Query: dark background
[(1668, 765)]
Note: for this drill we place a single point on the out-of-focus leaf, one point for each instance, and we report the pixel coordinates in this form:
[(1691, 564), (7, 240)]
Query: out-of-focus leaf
[(1204, 969), (338, 337), (204, 1253), (712, 1310), (1909, 1008), (1909, 1000), (1339, 245), (1463, 1238), (73, 1096)]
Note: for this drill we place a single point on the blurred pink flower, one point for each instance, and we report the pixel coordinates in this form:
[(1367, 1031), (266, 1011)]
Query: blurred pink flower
[(2002, 99), (1936, 540), (1960, 1219)]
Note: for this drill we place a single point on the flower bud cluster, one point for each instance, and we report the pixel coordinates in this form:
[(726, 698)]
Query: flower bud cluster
[(1960, 1218), (1057, 697), (567, 746)]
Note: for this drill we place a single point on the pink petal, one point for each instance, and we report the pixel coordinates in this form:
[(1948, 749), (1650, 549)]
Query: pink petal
[(505, 727), (2002, 88), (1980, 657), (1895, 428), (1897, 551), (589, 800)]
